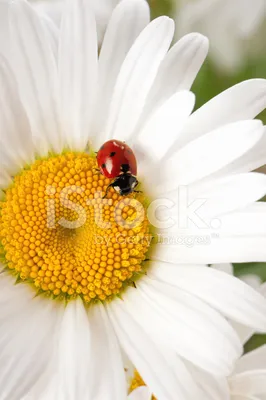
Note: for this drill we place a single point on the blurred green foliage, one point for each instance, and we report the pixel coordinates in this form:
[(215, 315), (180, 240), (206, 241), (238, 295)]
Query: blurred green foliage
[(255, 342), (161, 7), (251, 268)]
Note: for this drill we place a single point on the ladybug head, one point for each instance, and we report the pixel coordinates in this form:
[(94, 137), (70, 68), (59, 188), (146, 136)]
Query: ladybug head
[(125, 184)]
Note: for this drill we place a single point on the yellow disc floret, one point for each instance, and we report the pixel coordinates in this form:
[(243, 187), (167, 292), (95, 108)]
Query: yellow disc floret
[(59, 234), (137, 382)]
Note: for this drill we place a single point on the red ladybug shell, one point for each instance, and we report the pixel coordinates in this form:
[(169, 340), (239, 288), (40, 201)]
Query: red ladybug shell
[(115, 157)]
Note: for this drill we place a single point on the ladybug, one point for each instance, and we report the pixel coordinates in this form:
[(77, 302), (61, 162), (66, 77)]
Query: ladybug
[(116, 160)]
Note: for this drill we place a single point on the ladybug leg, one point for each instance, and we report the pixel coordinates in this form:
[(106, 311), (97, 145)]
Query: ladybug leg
[(107, 190), (137, 191)]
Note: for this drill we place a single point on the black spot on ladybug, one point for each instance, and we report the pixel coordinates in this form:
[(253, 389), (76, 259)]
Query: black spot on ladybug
[(103, 166), (112, 154)]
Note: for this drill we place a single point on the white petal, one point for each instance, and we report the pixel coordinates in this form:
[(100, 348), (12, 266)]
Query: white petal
[(206, 249), (213, 387), (179, 322), (78, 59), (192, 323), (243, 397), (177, 71), (227, 268), (250, 161), (240, 102), (128, 367), (253, 280), (52, 31), (216, 198), (152, 361), (165, 124), (26, 323), (225, 293), (209, 153), (228, 194), (5, 34), (50, 9), (250, 222), (16, 146), (262, 289), (247, 223), (136, 77), (254, 360), (244, 332), (52, 34), (103, 11), (46, 387), (73, 363), (36, 76), (127, 21), (141, 393), (249, 383), (107, 376), (102, 361)]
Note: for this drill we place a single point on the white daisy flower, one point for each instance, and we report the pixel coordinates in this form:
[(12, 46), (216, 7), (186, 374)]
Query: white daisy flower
[(234, 27), (248, 379), (83, 293)]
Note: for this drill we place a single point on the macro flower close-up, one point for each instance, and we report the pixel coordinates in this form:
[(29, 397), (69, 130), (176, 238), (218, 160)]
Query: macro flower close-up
[(115, 199)]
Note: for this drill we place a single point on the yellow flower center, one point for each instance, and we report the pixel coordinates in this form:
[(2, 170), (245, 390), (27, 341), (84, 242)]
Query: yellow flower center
[(59, 234), (137, 382)]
